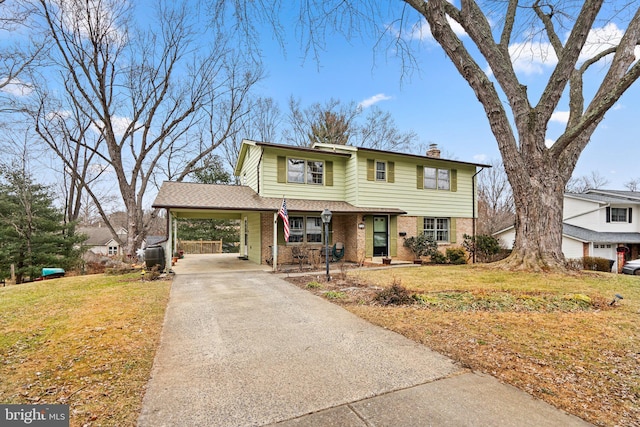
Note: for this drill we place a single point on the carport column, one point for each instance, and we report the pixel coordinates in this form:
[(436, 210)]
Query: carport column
[(175, 236), (274, 251), (167, 255)]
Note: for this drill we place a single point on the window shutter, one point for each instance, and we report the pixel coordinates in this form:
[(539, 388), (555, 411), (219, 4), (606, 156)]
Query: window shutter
[(282, 169), (420, 177), (419, 225), (328, 177), (368, 236), (630, 215), (393, 235), (608, 211), (280, 226), (454, 180), (371, 170), (391, 172), (452, 230)]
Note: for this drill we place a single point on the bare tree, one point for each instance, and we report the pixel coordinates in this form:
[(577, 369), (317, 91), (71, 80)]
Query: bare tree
[(379, 131), (148, 101), (633, 184), (333, 116), (495, 199), (340, 123), (582, 184)]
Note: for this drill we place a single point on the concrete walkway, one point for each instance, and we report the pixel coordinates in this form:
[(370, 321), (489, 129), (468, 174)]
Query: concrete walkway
[(242, 347)]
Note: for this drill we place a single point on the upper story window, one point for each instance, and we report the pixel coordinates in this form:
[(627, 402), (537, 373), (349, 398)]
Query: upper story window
[(305, 171), (381, 171), (435, 178), (618, 214), (437, 229)]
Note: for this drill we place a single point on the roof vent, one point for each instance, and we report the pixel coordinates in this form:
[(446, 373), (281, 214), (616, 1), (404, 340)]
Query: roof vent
[(433, 151)]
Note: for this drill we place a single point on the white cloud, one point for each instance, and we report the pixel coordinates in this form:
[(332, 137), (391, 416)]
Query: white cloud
[(480, 158), (119, 124), (549, 142), (366, 103), (17, 88), (600, 39), (560, 117), (421, 30), (532, 57)]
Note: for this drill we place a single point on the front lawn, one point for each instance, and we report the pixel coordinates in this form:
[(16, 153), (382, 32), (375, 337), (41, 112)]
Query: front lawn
[(87, 341), (555, 336)]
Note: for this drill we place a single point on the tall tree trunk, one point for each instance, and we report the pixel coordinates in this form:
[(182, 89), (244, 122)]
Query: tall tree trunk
[(538, 242)]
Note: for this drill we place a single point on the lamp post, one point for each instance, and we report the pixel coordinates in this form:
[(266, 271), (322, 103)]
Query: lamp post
[(326, 219)]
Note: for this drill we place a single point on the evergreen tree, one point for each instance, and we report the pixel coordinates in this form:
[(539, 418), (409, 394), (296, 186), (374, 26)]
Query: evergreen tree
[(33, 234)]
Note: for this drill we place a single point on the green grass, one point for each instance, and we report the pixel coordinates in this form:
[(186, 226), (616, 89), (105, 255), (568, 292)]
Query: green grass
[(85, 341)]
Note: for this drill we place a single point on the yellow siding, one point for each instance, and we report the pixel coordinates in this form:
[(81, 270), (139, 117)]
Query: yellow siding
[(271, 188), (404, 194), (254, 237), (249, 171)]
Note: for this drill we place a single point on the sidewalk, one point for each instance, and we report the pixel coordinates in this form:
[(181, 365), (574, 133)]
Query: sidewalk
[(246, 348)]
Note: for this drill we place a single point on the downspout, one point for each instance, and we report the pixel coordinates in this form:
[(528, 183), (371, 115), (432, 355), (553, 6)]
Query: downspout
[(473, 219), (258, 169)]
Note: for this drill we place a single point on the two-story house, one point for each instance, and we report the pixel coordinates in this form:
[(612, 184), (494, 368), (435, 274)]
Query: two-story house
[(377, 198), (597, 223)]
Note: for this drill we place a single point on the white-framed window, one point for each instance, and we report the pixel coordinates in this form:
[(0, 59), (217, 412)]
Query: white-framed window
[(112, 250), (618, 214), (314, 229), (437, 179), (295, 170), (305, 171), (437, 229), (381, 171), (305, 229), (315, 171)]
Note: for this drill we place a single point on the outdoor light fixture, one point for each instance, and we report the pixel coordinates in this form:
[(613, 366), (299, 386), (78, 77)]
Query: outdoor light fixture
[(326, 219)]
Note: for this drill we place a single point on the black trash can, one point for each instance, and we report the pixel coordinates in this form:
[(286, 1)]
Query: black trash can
[(154, 257)]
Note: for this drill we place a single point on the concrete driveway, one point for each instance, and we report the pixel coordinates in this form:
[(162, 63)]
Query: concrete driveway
[(242, 347)]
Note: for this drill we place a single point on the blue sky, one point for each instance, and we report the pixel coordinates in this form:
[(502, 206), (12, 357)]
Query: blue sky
[(439, 105), (435, 102)]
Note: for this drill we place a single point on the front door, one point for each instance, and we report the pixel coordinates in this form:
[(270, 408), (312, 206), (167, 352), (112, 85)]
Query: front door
[(380, 236)]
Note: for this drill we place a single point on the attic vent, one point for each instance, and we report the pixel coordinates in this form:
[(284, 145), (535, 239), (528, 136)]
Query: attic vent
[(433, 151)]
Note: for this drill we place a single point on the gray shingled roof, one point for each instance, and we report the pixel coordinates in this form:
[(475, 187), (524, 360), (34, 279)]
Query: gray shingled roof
[(586, 235), (609, 196), (189, 195), (96, 236)]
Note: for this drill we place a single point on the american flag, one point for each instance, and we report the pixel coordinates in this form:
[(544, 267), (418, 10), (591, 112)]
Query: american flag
[(284, 214)]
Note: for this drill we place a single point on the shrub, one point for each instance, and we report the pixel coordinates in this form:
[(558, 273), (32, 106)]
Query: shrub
[(597, 264), (456, 256), (421, 245), (314, 285), (486, 248), (438, 258), (396, 294)]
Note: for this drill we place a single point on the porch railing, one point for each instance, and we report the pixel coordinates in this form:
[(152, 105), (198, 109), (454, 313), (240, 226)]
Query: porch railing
[(200, 246)]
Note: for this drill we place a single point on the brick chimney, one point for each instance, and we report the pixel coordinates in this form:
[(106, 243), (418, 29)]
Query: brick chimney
[(433, 151)]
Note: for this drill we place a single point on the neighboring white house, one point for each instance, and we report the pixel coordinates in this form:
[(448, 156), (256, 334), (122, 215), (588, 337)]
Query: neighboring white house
[(596, 223)]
